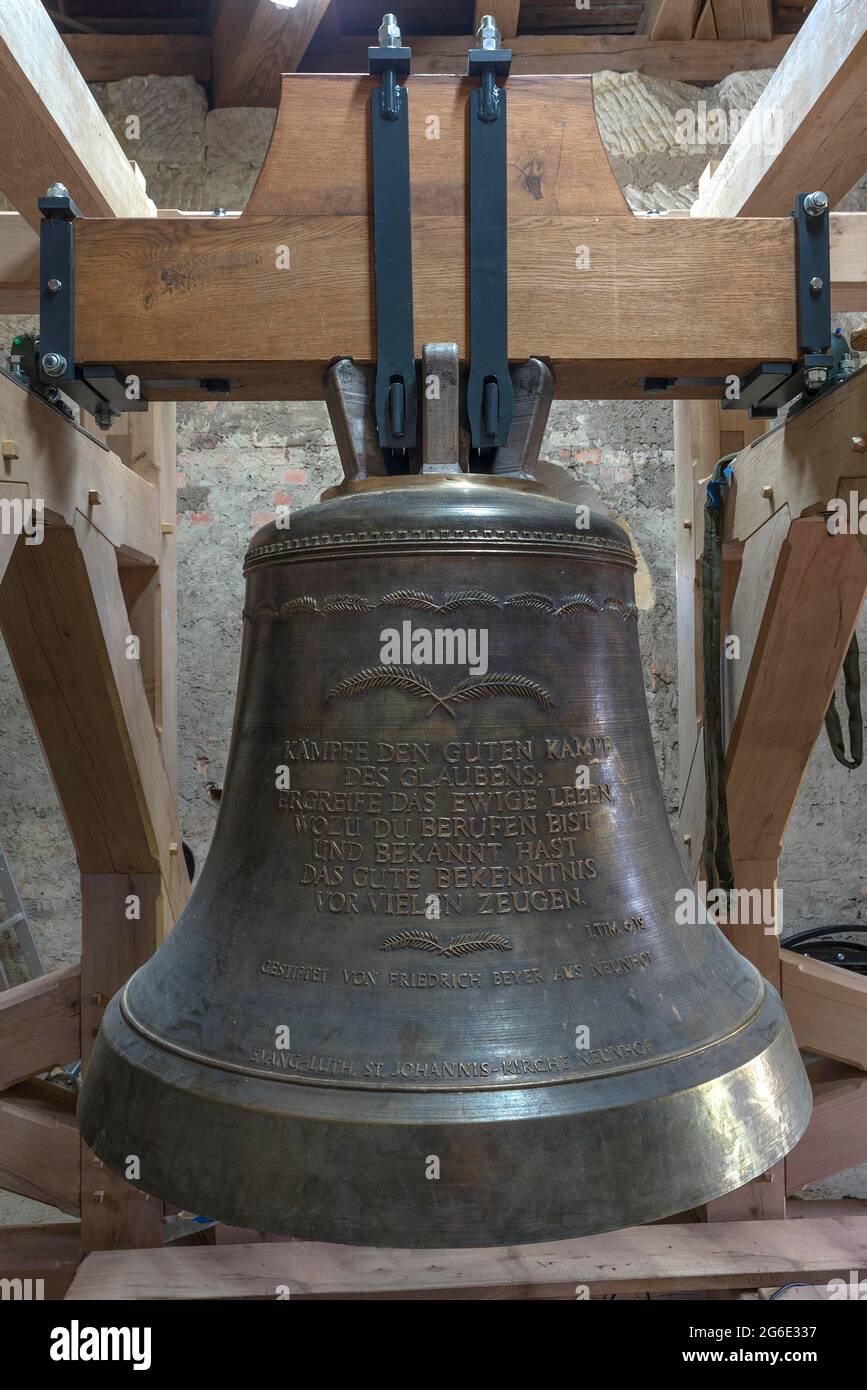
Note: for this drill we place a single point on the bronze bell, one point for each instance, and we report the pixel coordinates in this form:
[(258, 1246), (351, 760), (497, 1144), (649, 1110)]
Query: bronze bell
[(430, 989)]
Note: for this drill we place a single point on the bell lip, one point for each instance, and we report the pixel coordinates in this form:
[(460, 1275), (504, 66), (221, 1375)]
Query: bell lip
[(397, 482), (726, 1125)]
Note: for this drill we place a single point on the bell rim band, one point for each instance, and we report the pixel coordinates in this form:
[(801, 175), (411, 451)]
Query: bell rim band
[(310, 1134), (663, 1059)]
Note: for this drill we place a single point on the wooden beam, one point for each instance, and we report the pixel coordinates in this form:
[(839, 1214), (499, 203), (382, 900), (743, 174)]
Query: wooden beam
[(689, 61), (808, 129), (39, 1026), (848, 236), (254, 42), (827, 1008), (44, 1258), (39, 1145), (801, 463), (836, 1137), (19, 265), (112, 57), (148, 446), (705, 25), (63, 615), (53, 128), (667, 1258), (115, 1214), (812, 607), (743, 19), (673, 19), (274, 331), (66, 469)]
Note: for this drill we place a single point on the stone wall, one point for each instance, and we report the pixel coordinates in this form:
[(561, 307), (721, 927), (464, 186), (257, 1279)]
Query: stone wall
[(238, 462)]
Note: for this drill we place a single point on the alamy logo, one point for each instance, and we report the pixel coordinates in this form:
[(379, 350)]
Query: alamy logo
[(23, 516), (439, 646), (77, 1343), (22, 1290)]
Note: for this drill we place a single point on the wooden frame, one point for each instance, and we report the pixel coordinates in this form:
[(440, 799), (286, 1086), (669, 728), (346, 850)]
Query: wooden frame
[(106, 570)]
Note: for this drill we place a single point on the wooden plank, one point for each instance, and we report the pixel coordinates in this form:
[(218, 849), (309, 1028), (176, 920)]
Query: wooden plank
[(827, 1008), (62, 466), (112, 57), (761, 556), (555, 153), (808, 129), (39, 1025), (668, 1258), (44, 1258), (254, 42), (673, 19), (39, 1145), (233, 307), (53, 128), (689, 61), (812, 608), (65, 623), (743, 19), (705, 25), (836, 1137), (696, 448), (115, 1214), (148, 446)]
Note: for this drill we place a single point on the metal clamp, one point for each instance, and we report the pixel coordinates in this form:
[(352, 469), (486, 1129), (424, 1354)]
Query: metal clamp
[(773, 384), (489, 389), (396, 391)]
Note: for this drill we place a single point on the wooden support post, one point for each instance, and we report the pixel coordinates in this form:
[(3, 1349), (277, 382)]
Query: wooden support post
[(120, 928), (834, 1139)]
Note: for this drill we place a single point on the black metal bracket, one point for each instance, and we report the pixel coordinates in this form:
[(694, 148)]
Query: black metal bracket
[(97, 388), (489, 389), (774, 384), (396, 389)]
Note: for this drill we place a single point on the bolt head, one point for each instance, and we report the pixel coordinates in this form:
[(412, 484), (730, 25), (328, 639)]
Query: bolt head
[(53, 286), (57, 190), (815, 377), (816, 284), (488, 35), (53, 364), (815, 204), (219, 212), (389, 32)]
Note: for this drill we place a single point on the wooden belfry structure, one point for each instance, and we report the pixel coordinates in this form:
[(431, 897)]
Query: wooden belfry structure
[(179, 301)]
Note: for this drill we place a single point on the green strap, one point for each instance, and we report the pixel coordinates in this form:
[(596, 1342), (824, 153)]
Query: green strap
[(718, 868), (852, 682)]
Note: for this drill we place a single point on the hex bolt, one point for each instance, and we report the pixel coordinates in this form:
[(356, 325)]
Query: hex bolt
[(219, 212), (816, 204), (53, 286), (815, 377), (488, 35), (53, 364), (389, 32), (816, 284), (57, 190), (104, 415)]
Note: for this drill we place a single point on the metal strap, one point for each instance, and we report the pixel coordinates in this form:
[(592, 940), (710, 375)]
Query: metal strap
[(396, 394), (489, 389)]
